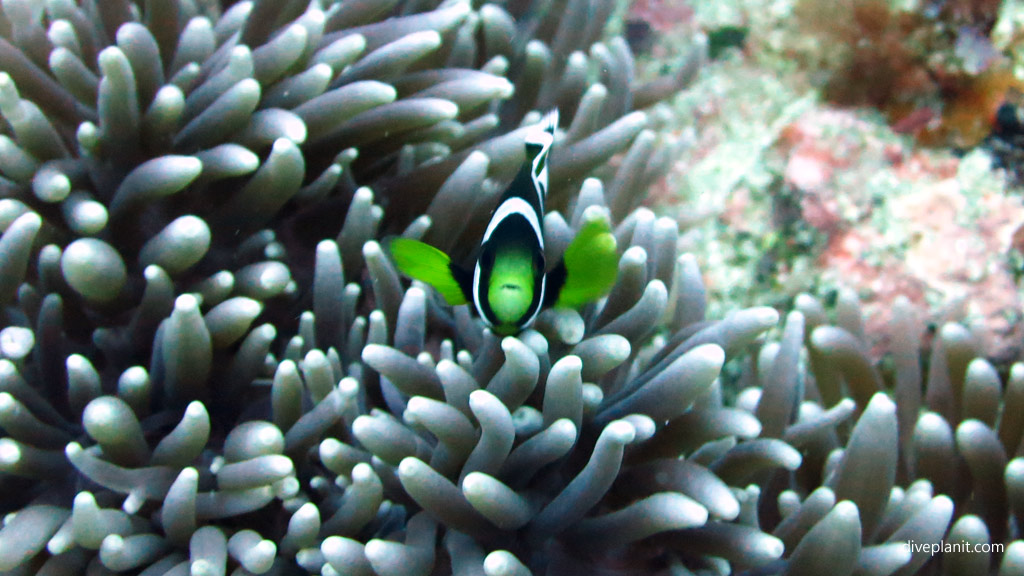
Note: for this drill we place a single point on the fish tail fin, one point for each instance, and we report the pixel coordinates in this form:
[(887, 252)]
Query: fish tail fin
[(538, 144), (427, 264), (543, 135)]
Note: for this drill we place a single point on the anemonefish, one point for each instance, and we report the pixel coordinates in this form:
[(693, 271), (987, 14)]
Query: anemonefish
[(510, 283)]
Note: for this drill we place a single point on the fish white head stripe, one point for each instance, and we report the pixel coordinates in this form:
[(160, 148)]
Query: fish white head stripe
[(515, 205)]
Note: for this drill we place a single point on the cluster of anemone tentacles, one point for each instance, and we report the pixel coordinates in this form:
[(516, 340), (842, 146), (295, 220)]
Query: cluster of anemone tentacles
[(209, 365)]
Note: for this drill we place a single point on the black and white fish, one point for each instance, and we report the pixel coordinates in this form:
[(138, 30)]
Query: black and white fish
[(510, 284)]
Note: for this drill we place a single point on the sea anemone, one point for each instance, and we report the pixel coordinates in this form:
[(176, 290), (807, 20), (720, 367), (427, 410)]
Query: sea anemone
[(209, 363), (925, 472)]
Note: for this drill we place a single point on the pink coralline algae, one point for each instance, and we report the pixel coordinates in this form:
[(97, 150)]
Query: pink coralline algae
[(662, 15), (901, 223)]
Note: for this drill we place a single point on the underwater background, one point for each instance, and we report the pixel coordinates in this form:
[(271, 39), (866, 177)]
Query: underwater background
[(809, 363)]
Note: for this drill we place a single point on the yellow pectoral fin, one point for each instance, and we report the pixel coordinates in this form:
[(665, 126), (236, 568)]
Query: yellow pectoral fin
[(591, 264), (427, 264)]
